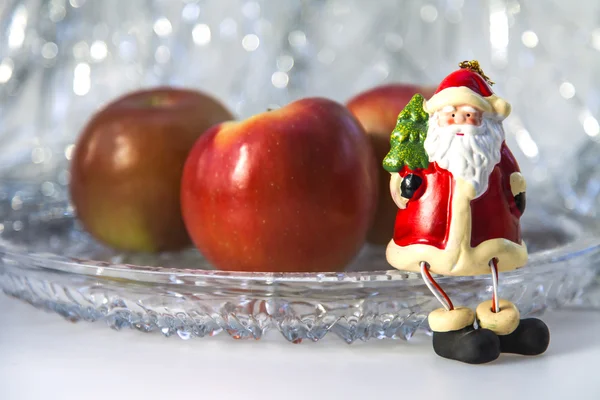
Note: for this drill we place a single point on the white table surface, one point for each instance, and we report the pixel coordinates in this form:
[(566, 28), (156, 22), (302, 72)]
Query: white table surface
[(44, 357)]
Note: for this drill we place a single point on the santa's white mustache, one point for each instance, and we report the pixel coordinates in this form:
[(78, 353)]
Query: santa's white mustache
[(465, 129), (465, 139)]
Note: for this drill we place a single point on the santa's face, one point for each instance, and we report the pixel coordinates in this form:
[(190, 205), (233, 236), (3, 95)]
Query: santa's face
[(465, 142), (461, 115)]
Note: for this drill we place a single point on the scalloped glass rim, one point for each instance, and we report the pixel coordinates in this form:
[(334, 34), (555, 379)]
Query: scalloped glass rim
[(352, 305), (539, 262)]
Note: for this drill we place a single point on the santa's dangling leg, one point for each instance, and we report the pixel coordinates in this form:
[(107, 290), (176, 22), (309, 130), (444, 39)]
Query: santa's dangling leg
[(454, 335), (520, 336)]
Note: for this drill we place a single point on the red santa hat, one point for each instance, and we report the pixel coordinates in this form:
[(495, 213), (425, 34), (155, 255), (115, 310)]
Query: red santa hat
[(468, 85)]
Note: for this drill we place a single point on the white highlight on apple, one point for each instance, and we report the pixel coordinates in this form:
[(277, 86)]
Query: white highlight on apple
[(241, 170), (124, 156)]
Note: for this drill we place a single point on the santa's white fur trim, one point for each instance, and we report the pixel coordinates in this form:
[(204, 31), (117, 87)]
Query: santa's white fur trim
[(517, 183), (442, 320), (456, 96), (503, 322), (459, 258)]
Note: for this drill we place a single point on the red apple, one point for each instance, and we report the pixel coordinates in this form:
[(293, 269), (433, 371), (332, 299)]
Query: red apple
[(127, 165), (377, 110), (290, 190)]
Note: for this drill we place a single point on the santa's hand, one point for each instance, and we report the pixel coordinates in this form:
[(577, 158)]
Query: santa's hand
[(410, 184), (395, 182), (518, 186), (520, 201)]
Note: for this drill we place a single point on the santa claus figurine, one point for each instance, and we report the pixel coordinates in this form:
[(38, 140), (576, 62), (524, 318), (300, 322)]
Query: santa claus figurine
[(460, 197)]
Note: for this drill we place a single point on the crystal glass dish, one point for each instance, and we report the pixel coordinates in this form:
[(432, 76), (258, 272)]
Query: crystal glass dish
[(61, 60), (50, 262)]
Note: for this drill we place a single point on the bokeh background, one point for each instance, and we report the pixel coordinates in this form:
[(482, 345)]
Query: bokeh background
[(62, 59)]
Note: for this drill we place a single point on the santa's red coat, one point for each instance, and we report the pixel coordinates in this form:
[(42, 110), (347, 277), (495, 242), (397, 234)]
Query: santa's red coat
[(427, 220)]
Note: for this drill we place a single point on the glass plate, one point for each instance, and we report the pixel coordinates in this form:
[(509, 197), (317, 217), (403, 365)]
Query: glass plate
[(60, 61), (50, 262)]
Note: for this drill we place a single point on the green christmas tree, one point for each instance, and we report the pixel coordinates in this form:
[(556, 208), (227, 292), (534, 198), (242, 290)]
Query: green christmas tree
[(407, 138)]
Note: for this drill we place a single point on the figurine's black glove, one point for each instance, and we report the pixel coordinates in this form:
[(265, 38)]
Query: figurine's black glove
[(520, 201), (410, 184)]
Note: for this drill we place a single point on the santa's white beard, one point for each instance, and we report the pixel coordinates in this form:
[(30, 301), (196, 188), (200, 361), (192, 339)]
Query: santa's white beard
[(471, 157)]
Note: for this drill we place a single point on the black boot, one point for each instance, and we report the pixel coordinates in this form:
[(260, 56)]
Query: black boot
[(469, 345), (530, 338)]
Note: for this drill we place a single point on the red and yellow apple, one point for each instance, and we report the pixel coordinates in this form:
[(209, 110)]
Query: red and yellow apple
[(289, 190), (377, 110), (127, 165)]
